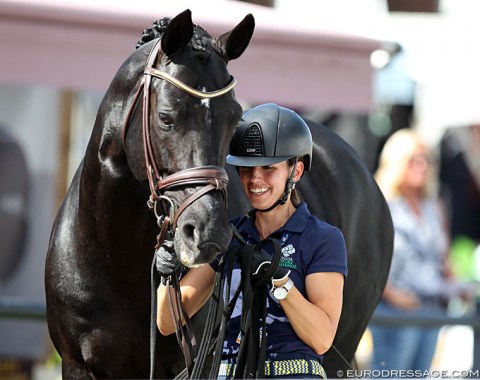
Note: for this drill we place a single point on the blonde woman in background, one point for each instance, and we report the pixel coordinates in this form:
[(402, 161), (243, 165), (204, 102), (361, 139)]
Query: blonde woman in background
[(417, 280)]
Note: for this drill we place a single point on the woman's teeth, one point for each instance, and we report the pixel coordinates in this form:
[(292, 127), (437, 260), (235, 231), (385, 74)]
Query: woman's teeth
[(259, 191)]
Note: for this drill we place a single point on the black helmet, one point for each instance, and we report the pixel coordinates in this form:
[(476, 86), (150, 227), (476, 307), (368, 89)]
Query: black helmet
[(268, 134)]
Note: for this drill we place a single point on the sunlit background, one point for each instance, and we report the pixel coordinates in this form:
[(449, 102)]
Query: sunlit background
[(364, 68)]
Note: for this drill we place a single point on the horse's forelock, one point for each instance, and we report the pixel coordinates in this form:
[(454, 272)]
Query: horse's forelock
[(155, 31), (201, 39)]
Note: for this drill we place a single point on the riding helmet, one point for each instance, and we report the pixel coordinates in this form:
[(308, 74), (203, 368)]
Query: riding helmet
[(268, 134)]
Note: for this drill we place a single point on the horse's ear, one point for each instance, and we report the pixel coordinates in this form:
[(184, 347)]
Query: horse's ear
[(178, 33), (232, 44)]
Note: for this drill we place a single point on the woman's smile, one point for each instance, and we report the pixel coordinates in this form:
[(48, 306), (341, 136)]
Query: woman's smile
[(258, 191)]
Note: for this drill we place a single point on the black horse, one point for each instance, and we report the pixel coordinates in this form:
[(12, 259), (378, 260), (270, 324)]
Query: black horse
[(98, 264), (97, 269)]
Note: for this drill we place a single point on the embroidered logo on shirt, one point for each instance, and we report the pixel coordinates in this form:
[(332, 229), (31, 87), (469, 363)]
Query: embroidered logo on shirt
[(288, 250), (286, 261)]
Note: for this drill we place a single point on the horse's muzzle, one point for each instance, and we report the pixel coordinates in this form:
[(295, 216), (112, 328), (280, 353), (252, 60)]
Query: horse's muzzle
[(201, 236)]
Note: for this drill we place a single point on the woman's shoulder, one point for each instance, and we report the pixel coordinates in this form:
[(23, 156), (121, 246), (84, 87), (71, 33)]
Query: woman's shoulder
[(313, 224), (320, 229), (400, 210), (316, 224), (327, 246), (396, 202), (311, 221)]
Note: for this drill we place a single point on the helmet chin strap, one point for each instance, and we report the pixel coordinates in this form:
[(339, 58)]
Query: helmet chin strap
[(289, 186)]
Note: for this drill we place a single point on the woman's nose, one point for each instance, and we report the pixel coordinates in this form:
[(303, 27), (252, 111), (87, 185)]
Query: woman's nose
[(256, 173)]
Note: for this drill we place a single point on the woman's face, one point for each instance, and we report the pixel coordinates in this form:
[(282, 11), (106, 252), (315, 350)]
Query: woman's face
[(416, 174), (264, 185)]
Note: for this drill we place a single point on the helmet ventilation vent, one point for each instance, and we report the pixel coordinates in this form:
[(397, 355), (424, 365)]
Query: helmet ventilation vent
[(253, 142)]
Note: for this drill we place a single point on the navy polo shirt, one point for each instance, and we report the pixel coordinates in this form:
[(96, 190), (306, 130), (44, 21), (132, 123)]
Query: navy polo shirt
[(309, 245)]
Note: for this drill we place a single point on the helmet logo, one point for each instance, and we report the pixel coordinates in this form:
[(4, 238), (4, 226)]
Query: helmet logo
[(252, 144)]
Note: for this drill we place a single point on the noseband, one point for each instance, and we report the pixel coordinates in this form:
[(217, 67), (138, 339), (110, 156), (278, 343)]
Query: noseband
[(210, 177)]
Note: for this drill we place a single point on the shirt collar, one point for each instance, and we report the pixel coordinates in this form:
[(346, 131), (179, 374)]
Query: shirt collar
[(298, 220), (296, 223)]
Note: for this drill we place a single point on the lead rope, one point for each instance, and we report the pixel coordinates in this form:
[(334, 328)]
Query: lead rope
[(184, 332), (214, 332), (155, 282), (252, 350)]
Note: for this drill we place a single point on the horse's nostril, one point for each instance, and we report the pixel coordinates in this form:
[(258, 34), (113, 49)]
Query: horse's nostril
[(188, 231)]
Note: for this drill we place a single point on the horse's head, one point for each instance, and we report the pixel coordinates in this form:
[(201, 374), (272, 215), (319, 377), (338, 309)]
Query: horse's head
[(189, 116)]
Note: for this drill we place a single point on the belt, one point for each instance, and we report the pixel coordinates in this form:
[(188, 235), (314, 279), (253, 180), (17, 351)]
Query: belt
[(282, 368)]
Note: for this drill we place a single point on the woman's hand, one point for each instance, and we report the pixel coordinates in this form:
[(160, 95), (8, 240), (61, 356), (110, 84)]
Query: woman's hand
[(166, 261), (261, 262)]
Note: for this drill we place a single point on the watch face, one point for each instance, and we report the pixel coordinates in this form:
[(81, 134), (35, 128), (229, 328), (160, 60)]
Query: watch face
[(280, 293)]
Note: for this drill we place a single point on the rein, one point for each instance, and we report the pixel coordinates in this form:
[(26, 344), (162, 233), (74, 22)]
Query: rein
[(210, 177)]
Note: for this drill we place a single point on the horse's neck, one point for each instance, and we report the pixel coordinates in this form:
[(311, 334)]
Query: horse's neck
[(107, 181)]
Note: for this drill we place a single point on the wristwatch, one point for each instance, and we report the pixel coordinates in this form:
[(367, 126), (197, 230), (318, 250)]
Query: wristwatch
[(281, 292)]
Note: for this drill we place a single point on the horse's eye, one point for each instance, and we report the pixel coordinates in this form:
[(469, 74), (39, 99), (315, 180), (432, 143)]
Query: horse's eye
[(165, 121)]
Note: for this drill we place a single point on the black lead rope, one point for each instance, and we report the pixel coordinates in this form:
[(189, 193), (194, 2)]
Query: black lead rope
[(252, 351), (154, 282), (184, 330)]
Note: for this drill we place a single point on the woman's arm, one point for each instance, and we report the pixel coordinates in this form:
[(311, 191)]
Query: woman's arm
[(315, 319), (196, 287), (400, 299)]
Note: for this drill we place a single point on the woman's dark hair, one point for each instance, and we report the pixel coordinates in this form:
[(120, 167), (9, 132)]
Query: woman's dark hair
[(294, 196)]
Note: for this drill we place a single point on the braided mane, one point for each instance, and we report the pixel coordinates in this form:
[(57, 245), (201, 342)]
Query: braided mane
[(200, 39)]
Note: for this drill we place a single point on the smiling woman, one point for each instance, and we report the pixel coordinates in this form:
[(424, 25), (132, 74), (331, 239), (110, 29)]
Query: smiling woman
[(272, 147)]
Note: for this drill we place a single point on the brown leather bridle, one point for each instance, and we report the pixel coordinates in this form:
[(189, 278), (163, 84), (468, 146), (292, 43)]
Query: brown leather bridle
[(210, 177)]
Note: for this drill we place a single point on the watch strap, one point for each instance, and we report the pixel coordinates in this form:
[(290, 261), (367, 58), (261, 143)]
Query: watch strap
[(286, 286)]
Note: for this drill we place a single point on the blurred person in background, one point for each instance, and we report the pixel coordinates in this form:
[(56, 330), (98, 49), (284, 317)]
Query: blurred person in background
[(419, 272)]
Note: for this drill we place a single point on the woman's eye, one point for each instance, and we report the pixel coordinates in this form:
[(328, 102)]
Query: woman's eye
[(165, 121)]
